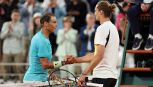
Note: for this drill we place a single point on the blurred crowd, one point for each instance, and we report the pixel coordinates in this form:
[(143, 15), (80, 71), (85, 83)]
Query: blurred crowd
[(20, 20)]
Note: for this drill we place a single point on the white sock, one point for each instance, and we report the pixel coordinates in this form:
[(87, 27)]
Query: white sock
[(138, 35), (150, 36)]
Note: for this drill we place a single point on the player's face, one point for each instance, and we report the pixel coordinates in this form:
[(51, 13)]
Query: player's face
[(52, 24)]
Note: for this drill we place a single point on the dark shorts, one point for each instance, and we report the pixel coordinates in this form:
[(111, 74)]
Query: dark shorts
[(107, 82)]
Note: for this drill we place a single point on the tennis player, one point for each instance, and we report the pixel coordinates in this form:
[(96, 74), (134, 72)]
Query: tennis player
[(40, 53), (103, 62)]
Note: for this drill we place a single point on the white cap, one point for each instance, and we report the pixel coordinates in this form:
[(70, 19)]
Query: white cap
[(37, 15), (147, 1)]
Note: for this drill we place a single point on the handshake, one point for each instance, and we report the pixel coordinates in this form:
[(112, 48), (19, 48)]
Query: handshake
[(69, 59)]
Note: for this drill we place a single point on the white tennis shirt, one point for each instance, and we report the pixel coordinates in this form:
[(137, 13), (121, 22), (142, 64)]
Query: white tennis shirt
[(107, 68)]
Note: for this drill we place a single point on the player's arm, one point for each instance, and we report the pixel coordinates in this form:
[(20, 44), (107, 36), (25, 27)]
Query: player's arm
[(97, 57), (46, 64), (86, 58), (53, 64), (43, 56)]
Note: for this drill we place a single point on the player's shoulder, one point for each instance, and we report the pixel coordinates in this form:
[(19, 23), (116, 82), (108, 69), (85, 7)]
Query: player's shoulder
[(107, 25), (102, 27), (37, 37)]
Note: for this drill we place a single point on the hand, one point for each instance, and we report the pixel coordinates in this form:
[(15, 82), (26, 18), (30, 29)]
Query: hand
[(81, 80), (69, 59)]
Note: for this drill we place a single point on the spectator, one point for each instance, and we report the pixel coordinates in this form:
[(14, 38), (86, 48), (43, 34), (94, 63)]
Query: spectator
[(59, 12), (133, 15), (5, 13), (35, 26), (87, 34), (66, 39), (122, 21), (78, 10), (12, 33), (6, 6), (28, 9), (122, 24)]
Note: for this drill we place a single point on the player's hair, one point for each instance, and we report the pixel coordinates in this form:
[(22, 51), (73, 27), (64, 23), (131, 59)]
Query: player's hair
[(106, 7), (46, 18)]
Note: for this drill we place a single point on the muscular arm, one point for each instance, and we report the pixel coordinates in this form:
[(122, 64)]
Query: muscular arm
[(46, 64), (50, 65), (86, 58)]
